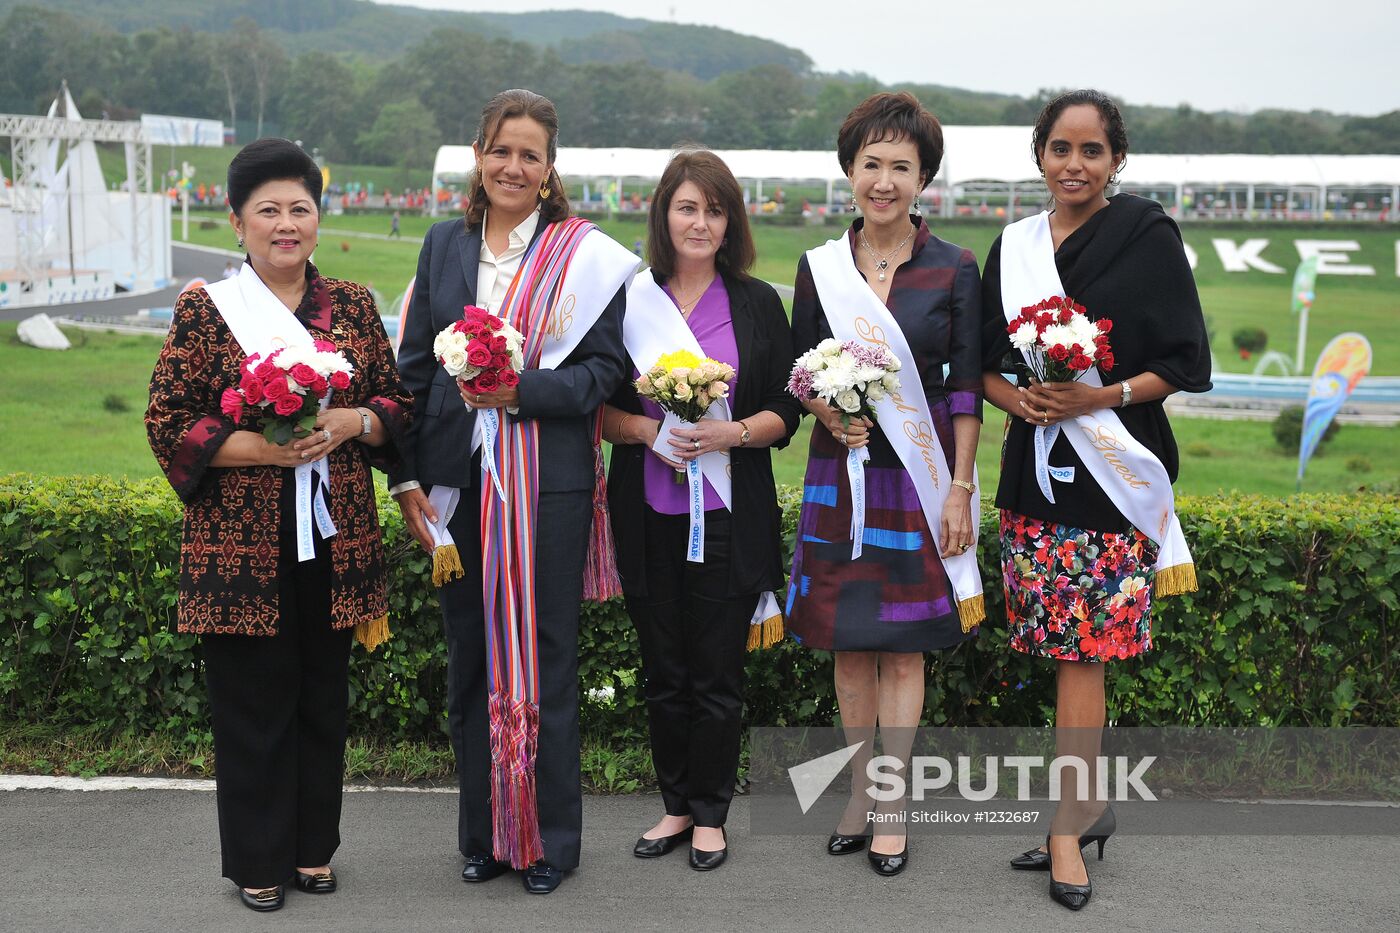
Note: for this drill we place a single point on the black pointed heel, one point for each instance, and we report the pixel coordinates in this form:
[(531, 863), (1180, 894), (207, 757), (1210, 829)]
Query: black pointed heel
[(1104, 826), (841, 844), (887, 866), (1073, 896)]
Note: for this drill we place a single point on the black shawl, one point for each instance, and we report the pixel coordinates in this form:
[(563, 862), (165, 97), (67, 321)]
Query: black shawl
[(1125, 263)]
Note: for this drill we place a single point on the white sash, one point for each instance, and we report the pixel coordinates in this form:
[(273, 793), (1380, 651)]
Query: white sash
[(261, 324), (653, 326), (1128, 472), (855, 313), (599, 267)]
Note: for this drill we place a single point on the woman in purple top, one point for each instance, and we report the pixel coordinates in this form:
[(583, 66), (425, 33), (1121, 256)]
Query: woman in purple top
[(693, 619)]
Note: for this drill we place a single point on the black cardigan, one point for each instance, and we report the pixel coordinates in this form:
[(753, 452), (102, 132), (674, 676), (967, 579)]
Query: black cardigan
[(764, 340)]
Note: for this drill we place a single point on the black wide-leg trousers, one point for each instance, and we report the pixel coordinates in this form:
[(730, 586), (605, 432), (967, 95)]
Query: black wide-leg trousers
[(563, 521), (278, 705), (693, 638)]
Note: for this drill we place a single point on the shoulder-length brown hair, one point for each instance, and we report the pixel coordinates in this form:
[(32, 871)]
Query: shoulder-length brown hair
[(721, 189), (518, 102)]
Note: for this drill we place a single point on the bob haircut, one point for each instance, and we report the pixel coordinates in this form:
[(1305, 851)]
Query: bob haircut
[(507, 105), (892, 117), (271, 159), (714, 179)]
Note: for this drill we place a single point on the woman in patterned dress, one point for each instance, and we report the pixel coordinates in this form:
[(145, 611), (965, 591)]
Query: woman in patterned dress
[(1079, 578), (276, 629), (880, 612)]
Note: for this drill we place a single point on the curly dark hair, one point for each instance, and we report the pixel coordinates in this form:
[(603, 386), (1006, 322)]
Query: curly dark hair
[(1112, 121), (892, 116)]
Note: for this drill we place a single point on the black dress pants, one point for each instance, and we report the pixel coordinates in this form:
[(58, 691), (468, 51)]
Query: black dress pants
[(279, 707), (693, 637), (563, 521)]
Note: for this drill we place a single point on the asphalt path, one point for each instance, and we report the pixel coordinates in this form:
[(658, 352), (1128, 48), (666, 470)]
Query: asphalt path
[(148, 860), (186, 263)]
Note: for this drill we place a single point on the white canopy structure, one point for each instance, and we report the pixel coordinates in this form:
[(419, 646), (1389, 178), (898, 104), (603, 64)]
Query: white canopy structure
[(992, 166), (64, 237)]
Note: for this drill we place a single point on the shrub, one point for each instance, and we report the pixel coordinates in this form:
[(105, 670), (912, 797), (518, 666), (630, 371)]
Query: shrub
[(115, 403), (1288, 430), (1294, 625), (1249, 340)]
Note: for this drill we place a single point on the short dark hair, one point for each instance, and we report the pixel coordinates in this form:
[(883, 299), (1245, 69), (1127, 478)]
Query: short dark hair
[(891, 117), (712, 176), (1112, 121), (518, 102), (271, 159)]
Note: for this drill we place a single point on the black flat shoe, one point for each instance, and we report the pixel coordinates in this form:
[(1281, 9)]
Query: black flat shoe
[(542, 878), (319, 883), (700, 860), (841, 844), (1036, 860), (887, 866), (655, 848), (263, 901), (483, 868), (1073, 896)]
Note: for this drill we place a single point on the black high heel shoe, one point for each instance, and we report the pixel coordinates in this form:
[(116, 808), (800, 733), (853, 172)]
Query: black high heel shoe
[(1036, 860), (1073, 896), (887, 866), (841, 844)]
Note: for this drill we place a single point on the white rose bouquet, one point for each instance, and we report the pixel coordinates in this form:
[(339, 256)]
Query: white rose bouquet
[(849, 377)]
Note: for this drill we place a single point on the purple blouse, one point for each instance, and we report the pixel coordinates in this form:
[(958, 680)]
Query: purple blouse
[(714, 329)]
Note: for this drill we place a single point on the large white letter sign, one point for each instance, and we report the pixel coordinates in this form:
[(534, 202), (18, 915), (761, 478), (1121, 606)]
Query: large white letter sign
[(1332, 258), (1243, 258)]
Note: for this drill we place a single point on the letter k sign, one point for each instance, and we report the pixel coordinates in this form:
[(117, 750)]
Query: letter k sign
[(812, 777)]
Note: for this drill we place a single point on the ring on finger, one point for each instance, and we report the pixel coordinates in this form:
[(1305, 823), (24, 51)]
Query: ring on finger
[(326, 433)]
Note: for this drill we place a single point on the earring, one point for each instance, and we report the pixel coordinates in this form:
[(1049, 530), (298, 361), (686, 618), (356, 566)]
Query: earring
[(851, 207), (240, 242), (544, 189)]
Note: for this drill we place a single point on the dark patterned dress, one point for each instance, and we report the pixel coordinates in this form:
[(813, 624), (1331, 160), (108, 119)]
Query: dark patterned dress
[(896, 595), (234, 516), (1078, 577)]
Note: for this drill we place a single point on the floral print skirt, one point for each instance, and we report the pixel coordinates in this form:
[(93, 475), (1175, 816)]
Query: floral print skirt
[(1074, 594)]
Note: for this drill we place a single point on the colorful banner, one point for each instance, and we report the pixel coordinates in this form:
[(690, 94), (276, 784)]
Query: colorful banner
[(1305, 284), (1340, 367)]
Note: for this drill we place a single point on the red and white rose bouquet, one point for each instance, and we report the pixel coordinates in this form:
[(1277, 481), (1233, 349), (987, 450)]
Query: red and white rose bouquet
[(1060, 341), (286, 388), (481, 351)]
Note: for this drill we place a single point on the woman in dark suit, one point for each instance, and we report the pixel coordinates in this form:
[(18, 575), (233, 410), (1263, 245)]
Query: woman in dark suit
[(693, 619), (502, 637), (275, 620)]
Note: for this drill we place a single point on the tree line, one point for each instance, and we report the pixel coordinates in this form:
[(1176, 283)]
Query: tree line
[(398, 111)]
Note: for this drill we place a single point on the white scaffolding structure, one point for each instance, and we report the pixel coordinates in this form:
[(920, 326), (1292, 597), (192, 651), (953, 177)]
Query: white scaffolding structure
[(35, 199)]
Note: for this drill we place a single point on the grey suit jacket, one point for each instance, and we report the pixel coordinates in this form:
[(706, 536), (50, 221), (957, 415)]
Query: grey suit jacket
[(437, 450)]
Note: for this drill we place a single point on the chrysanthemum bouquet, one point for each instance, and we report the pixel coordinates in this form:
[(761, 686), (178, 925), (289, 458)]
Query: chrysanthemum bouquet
[(850, 377), (287, 387), (1060, 341), (685, 385), (481, 351)]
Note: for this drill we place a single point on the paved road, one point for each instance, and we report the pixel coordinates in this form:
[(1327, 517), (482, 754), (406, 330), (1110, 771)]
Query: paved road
[(147, 860), (186, 263)]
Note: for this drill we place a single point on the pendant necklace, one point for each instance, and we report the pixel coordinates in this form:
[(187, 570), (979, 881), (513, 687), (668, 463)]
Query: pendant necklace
[(882, 263)]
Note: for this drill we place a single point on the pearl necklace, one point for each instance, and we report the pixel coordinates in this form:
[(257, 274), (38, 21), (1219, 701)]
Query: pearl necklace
[(882, 263)]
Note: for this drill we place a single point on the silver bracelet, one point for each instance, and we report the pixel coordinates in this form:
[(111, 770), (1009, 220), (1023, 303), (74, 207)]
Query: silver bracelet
[(1127, 391)]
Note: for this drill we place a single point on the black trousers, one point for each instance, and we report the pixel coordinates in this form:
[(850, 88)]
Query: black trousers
[(693, 637), (279, 708), (563, 520)]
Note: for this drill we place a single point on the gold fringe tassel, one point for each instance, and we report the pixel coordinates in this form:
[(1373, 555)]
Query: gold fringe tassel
[(767, 633), (1173, 581), (373, 633), (447, 565), (972, 611)]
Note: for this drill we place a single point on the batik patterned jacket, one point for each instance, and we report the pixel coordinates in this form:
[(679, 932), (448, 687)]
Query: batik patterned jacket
[(233, 516)]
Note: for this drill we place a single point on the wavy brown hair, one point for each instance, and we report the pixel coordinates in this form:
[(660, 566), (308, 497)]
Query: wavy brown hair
[(506, 105), (721, 189)]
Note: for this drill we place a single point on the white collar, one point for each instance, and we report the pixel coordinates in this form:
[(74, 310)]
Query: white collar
[(519, 237)]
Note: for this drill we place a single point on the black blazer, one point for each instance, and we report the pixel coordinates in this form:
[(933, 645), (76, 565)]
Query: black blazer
[(437, 450), (764, 339)]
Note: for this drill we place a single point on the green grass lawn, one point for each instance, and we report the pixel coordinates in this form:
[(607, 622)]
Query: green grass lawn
[(55, 420)]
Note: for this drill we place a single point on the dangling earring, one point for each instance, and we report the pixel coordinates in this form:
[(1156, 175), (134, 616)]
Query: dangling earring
[(544, 191), (240, 242), (851, 207)]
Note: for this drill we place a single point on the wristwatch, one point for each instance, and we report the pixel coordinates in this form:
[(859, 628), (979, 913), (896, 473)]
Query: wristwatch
[(965, 485), (744, 438), (364, 422), (1126, 397)]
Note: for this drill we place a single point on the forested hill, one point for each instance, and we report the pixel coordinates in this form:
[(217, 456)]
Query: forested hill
[(380, 31)]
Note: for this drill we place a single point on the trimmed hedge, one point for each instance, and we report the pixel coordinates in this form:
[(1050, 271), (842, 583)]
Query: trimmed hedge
[(1294, 625)]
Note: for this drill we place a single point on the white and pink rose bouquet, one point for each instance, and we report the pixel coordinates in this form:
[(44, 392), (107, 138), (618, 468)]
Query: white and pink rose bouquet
[(286, 388)]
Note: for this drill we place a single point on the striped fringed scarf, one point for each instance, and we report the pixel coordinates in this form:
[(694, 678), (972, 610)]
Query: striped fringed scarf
[(508, 565)]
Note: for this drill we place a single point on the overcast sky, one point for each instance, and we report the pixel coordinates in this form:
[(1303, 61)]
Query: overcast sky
[(1337, 55)]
